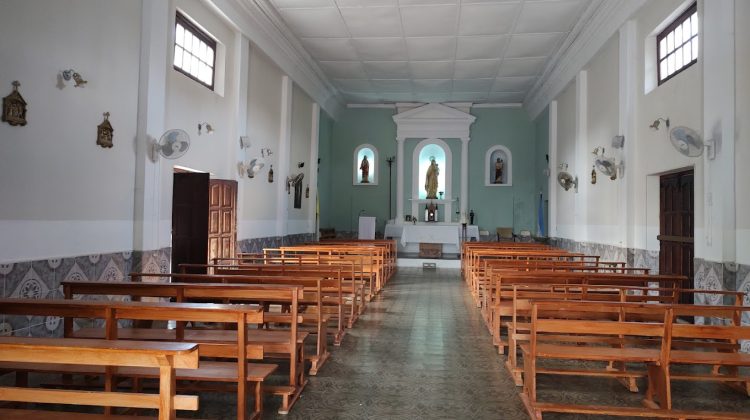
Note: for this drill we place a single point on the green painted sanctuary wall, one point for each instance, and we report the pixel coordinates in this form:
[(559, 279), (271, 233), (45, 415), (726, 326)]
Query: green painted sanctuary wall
[(353, 128), (497, 206), (325, 138), (494, 207)]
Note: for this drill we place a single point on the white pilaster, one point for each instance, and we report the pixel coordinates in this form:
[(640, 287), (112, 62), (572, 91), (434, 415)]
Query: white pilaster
[(400, 179), (285, 141), (157, 23), (552, 182), (582, 162), (464, 206), (627, 126), (719, 115), (314, 139)]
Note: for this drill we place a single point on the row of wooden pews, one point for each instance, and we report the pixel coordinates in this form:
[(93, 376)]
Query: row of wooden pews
[(566, 314), (228, 329)]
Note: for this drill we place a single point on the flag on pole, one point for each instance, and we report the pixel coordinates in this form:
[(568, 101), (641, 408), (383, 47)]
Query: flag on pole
[(540, 214)]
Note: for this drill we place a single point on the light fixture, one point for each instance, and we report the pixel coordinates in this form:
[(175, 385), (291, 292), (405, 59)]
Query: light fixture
[(265, 152), (205, 126), (655, 125), (67, 75)]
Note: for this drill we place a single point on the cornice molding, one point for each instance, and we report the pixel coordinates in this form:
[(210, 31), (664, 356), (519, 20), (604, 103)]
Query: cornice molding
[(257, 20), (599, 22)]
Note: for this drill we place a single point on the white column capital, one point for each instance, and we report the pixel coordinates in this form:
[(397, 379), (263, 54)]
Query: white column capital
[(400, 139), (465, 139)]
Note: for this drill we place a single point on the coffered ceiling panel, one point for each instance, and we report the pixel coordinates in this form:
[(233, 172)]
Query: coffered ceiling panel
[(430, 50)]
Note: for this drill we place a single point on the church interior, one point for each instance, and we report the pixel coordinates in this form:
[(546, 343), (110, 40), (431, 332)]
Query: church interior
[(353, 209)]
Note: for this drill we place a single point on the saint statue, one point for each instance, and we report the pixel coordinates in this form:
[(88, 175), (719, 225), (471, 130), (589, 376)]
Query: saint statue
[(365, 168), (431, 180), (498, 171)]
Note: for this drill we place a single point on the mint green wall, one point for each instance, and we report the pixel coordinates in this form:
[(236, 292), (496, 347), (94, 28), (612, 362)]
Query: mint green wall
[(325, 134), (494, 206), (503, 206), (541, 125), (352, 128)]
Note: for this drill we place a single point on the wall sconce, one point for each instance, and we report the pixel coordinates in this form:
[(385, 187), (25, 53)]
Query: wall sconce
[(655, 125), (265, 152), (244, 142), (206, 126), (67, 75)]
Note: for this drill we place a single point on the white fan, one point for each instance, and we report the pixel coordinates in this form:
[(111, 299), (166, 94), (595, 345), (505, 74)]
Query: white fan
[(686, 140), (605, 165), (250, 168), (566, 180), (173, 144)]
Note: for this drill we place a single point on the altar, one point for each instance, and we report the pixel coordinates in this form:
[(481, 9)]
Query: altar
[(448, 234)]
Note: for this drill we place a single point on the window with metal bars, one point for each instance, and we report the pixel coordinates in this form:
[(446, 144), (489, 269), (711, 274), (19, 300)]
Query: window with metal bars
[(677, 44), (194, 52)]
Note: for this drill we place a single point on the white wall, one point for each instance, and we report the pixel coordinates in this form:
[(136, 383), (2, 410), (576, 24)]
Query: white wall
[(594, 215), (257, 215), (679, 99), (61, 194), (566, 137), (602, 198), (742, 139), (300, 152)]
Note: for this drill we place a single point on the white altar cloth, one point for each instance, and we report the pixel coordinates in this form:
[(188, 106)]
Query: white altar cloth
[(397, 231)]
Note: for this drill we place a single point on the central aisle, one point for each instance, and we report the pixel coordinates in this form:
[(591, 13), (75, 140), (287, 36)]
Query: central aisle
[(421, 350)]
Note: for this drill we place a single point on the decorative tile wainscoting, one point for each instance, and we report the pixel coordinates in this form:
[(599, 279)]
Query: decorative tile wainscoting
[(632, 256), (256, 245), (42, 279)]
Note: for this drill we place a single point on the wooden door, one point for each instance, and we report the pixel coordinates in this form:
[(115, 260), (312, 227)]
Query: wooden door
[(222, 218), (189, 219), (676, 227)]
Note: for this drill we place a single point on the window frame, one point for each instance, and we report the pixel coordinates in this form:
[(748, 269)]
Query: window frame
[(679, 20), (181, 19)]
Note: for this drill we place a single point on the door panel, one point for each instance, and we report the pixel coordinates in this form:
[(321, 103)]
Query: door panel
[(223, 219), (676, 226), (189, 219)]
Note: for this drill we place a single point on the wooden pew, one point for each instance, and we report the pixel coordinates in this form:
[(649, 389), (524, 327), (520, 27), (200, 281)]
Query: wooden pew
[(248, 377), (100, 354), (501, 306), (523, 296), (572, 323), (352, 290), (229, 289), (287, 344)]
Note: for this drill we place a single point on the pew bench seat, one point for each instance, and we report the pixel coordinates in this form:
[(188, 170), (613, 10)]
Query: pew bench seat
[(631, 411), (255, 336), (207, 371), (15, 414), (591, 353)]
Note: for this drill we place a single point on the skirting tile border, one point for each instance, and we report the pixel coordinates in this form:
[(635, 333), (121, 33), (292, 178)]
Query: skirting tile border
[(42, 279), (634, 257), (256, 245)]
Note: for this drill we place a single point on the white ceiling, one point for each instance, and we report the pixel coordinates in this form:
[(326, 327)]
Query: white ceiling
[(377, 51)]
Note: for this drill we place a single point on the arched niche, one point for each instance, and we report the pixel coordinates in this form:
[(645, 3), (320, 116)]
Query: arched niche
[(371, 152), (421, 161), (490, 161)]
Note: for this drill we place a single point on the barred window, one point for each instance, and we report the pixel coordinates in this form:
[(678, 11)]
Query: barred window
[(194, 52), (678, 44)]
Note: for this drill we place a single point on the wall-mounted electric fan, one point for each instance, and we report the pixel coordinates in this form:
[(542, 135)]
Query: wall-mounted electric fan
[(566, 180), (688, 142), (173, 144), (250, 168)]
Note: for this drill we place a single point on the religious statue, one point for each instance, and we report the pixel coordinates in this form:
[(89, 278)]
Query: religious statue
[(365, 167), (498, 171), (431, 180)]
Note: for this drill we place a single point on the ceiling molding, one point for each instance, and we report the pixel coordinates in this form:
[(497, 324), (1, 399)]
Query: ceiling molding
[(599, 22), (257, 20), (433, 120)]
